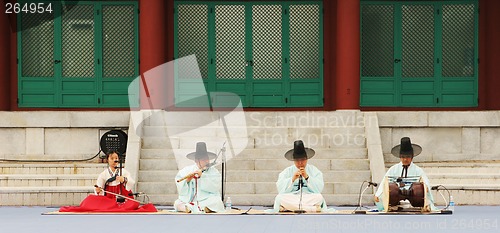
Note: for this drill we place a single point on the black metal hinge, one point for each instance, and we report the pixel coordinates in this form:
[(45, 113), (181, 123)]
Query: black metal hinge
[(18, 100), (285, 11), (98, 100), (97, 12), (17, 61), (437, 100), (438, 11), (286, 100)]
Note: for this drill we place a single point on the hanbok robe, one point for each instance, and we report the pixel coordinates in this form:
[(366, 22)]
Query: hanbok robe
[(199, 193), (413, 171), (115, 186), (107, 203), (289, 192)]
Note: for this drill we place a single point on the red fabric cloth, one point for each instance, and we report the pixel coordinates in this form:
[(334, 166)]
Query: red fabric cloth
[(95, 203)]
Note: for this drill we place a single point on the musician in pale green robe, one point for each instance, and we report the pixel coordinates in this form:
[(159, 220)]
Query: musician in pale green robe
[(199, 184), (406, 151), (300, 176)]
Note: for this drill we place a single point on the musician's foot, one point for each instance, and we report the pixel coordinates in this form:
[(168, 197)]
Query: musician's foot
[(187, 210)]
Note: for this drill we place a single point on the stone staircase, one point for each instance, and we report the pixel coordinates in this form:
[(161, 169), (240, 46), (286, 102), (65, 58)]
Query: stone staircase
[(472, 182), (341, 155), (46, 184)]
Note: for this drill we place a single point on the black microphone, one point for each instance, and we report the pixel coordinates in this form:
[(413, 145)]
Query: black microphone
[(300, 182), (435, 187), (372, 183)]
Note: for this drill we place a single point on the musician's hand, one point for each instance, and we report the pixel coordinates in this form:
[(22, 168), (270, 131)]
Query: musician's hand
[(296, 175), (192, 175), (120, 179), (98, 190), (199, 172), (376, 199), (303, 173)]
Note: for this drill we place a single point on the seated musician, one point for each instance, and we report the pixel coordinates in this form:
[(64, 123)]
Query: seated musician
[(198, 185), (406, 168), (114, 178), (111, 181), (300, 176)]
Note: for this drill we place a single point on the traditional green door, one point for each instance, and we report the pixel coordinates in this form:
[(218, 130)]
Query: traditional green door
[(268, 53), (419, 54), (82, 54)]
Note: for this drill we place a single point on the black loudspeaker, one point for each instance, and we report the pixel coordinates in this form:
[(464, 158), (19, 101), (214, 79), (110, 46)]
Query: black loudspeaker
[(114, 140)]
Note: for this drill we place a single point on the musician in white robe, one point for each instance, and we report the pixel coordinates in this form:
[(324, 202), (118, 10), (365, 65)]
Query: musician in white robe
[(199, 184), (406, 168), (300, 176), (114, 179)]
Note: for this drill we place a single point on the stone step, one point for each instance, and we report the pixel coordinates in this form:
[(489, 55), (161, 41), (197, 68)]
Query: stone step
[(459, 170), (464, 176), (47, 180), (240, 163), (44, 196), (337, 176), (250, 187), (463, 181), (253, 131), (460, 164), (263, 119), (271, 153), (468, 197), (268, 199), (52, 168), (323, 140)]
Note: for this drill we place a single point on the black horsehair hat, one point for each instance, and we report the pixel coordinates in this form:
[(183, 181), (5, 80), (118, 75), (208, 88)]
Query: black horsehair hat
[(201, 151), (406, 149), (299, 152)]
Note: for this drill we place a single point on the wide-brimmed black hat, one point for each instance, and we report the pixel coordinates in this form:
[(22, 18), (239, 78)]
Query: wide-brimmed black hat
[(299, 152), (406, 148), (201, 151)]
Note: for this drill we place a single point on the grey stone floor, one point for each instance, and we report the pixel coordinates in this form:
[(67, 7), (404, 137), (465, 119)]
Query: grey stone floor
[(465, 219)]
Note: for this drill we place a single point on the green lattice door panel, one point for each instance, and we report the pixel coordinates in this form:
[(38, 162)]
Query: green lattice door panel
[(419, 54), (83, 54), (37, 87), (255, 50)]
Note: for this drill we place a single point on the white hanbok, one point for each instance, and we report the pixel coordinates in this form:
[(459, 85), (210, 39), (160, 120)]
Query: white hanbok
[(106, 174), (412, 171), (289, 193), (199, 193)]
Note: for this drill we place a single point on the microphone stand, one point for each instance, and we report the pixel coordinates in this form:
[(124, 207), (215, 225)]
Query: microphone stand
[(223, 180), (119, 198), (300, 210)]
